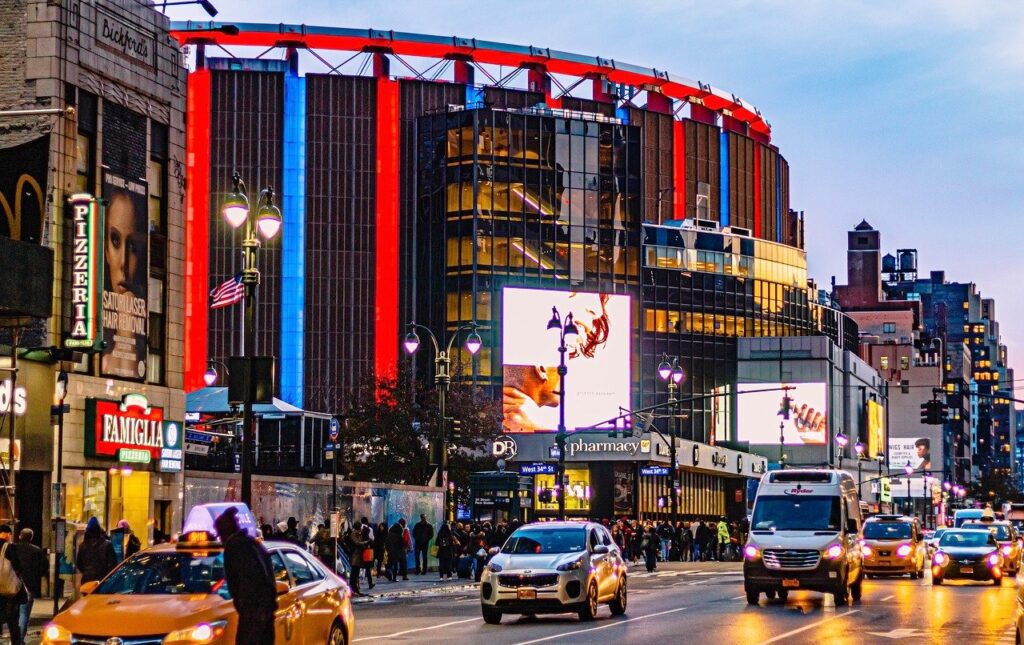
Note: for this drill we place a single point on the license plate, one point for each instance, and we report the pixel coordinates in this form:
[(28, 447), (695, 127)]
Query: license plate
[(966, 569), (526, 594), (790, 582)]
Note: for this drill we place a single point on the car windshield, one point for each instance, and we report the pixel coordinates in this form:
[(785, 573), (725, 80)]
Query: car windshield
[(938, 533), (546, 541), (964, 539), (887, 531), (786, 513), (178, 572), (1001, 531)]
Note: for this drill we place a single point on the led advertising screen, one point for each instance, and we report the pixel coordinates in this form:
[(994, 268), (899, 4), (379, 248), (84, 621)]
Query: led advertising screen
[(915, 450), (759, 414), (597, 380), (876, 429)]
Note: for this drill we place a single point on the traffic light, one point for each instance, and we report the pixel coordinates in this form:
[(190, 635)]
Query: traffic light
[(455, 430), (787, 403), (926, 412), (934, 413)]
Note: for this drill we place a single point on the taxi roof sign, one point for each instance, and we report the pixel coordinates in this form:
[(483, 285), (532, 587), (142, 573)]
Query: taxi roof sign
[(202, 516)]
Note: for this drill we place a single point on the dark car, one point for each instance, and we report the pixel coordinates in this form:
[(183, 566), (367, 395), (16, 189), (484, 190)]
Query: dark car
[(967, 554)]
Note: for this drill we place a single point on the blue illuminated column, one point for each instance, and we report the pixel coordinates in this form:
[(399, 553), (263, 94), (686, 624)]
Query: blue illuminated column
[(723, 173), (293, 243)]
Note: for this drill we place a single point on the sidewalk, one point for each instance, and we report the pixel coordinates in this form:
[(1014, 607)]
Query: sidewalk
[(414, 586)]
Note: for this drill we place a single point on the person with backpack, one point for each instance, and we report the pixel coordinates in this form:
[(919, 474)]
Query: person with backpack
[(445, 550), (96, 557), (12, 590)]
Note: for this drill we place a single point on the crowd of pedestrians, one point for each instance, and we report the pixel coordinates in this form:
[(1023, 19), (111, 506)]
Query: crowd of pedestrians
[(696, 541)]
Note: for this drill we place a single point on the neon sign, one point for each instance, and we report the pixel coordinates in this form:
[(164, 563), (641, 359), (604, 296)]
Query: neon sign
[(86, 271)]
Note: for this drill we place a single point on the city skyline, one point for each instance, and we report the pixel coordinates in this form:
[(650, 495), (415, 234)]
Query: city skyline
[(930, 76)]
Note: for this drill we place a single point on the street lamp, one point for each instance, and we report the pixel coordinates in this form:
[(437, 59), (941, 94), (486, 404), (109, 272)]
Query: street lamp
[(210, 375), (562, 331), (880, 458), (62, 392), (266, 223), (841, 442), (442, 379), (858, 448), (674, 375)]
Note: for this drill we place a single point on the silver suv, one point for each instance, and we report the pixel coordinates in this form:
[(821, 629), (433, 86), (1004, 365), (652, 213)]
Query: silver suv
[(554, 568)]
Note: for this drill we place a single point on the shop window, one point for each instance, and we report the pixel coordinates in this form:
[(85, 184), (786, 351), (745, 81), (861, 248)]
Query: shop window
[(578, 492), (129, 499), (86, 495)]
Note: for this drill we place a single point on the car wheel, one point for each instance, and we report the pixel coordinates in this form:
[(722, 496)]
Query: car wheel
[(770, 594), (936, 580), (841, 594), (618, 603), (589, 609), (491, 615), (856, 588), (752, 597), (337, 636), (913, 575), (783, 594), (998, 581)]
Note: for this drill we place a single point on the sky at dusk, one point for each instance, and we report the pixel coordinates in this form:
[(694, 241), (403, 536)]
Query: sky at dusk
[(907, 114)]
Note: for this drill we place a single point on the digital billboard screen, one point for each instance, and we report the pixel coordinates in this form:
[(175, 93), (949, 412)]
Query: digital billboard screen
[(759, 413), (598, 378)]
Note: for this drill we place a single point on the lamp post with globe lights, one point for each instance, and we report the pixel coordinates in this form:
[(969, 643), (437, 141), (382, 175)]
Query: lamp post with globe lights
[(562, 330), (841, 442), (858, 449), (670, 371), (211, 375), (442, 380), (266, 223), (909, 470)]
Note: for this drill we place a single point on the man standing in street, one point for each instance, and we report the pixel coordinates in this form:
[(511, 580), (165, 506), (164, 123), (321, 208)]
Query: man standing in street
[(422, 533), (250, 579), (33, 567)]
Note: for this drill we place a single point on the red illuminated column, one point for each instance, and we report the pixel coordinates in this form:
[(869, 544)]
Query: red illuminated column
[(197, 226), (679, 169), (757, 190), (386, 288)]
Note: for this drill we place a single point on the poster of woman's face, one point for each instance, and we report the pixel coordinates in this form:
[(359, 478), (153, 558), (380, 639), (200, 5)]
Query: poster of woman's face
[(597, 378), (126, 277)]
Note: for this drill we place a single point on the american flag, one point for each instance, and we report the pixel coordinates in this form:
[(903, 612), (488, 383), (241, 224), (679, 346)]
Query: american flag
[(228, 293)]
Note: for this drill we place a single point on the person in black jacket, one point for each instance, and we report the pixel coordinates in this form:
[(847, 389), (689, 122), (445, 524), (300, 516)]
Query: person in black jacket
[(33, 568), (445, 550), (10, 606), (96, 557), (395, 547), (422, 533), (250, 579)]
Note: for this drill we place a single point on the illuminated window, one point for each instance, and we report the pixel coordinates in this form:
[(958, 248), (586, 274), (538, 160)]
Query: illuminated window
[(884, 362), (578, 492)]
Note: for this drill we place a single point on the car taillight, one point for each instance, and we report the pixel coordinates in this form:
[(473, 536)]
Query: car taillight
[(904, 550)]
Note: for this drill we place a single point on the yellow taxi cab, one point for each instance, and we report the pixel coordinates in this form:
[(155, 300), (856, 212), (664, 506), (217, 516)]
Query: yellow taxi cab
[(893, 545), (176, 594)]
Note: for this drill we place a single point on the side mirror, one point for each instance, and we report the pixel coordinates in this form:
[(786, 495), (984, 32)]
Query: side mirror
[(851, 525), (600, 549), (281, 587), (495, 550), (89, 587)]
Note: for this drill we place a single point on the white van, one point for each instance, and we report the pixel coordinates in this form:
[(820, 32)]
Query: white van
[(804, 535)]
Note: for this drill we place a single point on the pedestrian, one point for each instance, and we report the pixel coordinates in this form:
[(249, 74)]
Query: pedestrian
[(366, 542), (323, 546), (667, 535), (291, 532), (130, 542), (445, 550), (33, 567), (11, 572), (685, 543), (478, 548), (403, 564), (250, 579), (96, 557), (380, 556), (651, 544), (422, 533), (394, 547), (724, 539)]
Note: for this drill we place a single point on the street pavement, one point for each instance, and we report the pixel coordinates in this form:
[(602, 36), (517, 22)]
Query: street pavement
[(704, 602), (693, 602)]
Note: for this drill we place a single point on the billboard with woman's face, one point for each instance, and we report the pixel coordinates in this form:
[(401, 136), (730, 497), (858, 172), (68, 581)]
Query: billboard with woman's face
[(597, 359)]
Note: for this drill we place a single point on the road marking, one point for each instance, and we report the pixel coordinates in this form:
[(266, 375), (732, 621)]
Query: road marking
[(781, 637), (413, 631), (615, 623), (739, 597), (901, 633), (888, 598)]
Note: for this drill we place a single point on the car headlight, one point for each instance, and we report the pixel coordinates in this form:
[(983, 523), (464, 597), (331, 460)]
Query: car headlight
[(904, 550), (494, 567), (1007, 549), (54, 634), (940, 559), (751, 552), (834, 551), (866, 551), (994, 559), (570, 566), (198, 634)]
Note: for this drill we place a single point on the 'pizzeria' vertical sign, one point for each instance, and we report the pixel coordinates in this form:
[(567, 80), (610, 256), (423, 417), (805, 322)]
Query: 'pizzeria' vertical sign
[(86, 272)]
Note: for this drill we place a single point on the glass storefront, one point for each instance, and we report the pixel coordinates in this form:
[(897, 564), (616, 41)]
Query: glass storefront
[(578, 494), (110, 496)]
